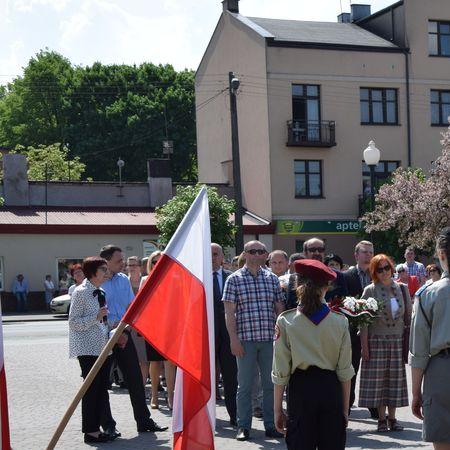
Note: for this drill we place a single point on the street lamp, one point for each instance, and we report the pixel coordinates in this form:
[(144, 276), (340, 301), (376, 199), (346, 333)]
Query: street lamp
[(372, 158), (120, 164)]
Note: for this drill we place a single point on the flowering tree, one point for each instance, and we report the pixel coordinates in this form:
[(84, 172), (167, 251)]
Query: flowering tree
[(416, 207)]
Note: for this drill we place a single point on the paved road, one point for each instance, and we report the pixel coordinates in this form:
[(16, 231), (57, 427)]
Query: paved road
[(42, 381)]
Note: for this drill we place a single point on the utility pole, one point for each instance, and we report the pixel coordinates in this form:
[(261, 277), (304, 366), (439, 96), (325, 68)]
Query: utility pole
[(239, 237)]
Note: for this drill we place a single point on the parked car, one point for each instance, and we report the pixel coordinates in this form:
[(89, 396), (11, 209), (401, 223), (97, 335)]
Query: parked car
[(60, 304)]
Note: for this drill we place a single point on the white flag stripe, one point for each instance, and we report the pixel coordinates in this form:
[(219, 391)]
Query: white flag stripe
[(191, 247)]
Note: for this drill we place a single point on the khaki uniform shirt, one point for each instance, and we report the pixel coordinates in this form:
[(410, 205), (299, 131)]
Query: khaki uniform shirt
[(299, 344), (425, 342)]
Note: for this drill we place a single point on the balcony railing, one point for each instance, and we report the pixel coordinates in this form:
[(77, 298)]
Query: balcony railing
[(311, 133)]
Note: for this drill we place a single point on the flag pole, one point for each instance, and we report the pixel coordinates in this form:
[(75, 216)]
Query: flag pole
[(86, 384)]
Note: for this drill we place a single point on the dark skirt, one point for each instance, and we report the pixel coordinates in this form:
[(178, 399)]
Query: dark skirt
[(315, 411), (152, 354)]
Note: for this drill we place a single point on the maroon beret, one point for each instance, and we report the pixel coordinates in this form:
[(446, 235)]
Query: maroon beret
[(315, 270)]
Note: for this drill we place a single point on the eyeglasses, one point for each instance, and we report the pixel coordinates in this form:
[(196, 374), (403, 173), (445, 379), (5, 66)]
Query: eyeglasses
[(104, 269), (432, 270), (256, 251), (384, 269), (316, 249)]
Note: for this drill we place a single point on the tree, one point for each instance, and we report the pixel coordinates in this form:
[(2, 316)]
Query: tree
[(169, 216), (52, 161), (32, 108), (413, 205), (103, 112)]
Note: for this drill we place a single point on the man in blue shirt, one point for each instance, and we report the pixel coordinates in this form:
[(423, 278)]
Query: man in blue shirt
[(119, 295)]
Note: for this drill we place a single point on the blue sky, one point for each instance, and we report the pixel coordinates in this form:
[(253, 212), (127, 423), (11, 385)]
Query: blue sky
[(132, 31)]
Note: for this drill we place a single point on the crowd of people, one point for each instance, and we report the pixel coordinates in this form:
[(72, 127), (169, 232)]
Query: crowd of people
[(278, 338)]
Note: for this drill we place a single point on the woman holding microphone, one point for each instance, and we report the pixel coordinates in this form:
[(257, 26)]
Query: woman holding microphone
[(312, 355), (88, 334)]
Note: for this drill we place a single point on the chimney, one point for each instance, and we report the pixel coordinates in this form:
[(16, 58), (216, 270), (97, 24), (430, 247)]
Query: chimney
[(231, 5), (359, 12), (159, 181), (15, 180), (344, 18)]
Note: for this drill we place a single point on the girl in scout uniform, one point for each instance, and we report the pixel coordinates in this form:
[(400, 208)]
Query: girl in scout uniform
[(312, 354), (430, 352)]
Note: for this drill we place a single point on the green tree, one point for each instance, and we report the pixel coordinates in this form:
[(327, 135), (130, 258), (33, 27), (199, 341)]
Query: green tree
[(124, 111), (54, 160), (103, 112), (169, 216), (32, 107)]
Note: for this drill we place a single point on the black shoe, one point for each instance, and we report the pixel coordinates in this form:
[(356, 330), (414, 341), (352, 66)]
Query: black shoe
[(233, 422), (151, 426), (89, 439), (112, 433), (243, 434), (273, 433)]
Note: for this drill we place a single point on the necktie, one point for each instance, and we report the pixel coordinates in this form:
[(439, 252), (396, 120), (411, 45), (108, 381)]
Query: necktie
[(216, 288)]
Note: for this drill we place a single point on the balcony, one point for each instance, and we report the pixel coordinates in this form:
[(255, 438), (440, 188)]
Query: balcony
[(311, 133)]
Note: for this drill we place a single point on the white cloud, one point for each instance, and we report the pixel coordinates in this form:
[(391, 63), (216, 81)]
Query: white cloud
[(29, 5), (10, 63), (74, 26)]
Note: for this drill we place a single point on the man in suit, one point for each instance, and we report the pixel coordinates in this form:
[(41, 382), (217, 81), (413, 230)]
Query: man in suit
[(224, 357), (357, 278)]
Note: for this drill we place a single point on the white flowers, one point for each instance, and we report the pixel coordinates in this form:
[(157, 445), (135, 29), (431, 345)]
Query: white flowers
[(371, 304), (350, 303)]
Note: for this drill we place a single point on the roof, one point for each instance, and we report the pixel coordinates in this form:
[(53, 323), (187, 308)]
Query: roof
[(95, 221), (331, 33)]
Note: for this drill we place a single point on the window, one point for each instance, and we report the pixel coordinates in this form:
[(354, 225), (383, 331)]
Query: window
[(438, 38), (440, 107), (306, 109), (383, 170), (378, 106), (65, 280), (308, 178)]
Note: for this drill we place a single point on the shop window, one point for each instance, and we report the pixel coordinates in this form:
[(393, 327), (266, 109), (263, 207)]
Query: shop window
[(65, 280)]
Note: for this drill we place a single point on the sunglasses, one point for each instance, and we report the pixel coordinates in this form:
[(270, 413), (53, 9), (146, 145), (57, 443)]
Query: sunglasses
[(384, 269), (254, 251), (316, 249), (432, 270)]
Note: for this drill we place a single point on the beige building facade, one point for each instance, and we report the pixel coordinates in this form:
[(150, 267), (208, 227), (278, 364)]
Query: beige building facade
[(311, 97)]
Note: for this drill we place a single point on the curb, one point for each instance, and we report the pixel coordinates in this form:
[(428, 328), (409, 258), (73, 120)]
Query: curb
[(18, 319)]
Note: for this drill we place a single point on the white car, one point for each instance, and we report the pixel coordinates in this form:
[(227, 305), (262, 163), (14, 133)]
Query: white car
[(60, 304)]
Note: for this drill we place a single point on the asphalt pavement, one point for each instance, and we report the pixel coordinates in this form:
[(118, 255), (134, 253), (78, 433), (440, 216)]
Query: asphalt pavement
[(42, 381)]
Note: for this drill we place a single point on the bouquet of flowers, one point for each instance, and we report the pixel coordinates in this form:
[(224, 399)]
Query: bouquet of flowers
[(360, 312)]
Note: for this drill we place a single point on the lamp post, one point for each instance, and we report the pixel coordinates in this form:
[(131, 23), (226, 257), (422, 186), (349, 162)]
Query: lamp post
[(372, 158), (120, 164)]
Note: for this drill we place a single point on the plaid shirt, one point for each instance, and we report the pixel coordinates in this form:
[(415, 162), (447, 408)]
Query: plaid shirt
[(417, 269), (255, 299)]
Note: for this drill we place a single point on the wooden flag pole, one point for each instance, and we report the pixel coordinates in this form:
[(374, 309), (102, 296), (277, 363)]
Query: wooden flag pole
[(85, 386)]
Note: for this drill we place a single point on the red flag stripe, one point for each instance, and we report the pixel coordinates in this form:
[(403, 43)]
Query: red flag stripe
[(170, 312)]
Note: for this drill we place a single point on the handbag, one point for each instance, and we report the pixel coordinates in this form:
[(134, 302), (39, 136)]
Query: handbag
[(407, 323)]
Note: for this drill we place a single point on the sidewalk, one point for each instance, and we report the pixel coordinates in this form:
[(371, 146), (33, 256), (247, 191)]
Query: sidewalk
[(32, 317)]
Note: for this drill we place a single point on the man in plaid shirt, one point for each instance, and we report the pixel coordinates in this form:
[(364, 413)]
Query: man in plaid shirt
[(414, 268), (253, 299)]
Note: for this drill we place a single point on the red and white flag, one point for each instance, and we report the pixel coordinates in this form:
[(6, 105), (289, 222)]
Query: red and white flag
[(4, 422), (174, 311)]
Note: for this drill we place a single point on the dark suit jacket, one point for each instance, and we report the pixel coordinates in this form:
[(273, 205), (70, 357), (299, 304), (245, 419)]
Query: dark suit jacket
[(219, 308), (353, 282)]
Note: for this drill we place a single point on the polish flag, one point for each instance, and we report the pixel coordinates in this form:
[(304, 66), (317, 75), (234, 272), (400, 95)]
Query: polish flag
[(174, 312), (4, 423)]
